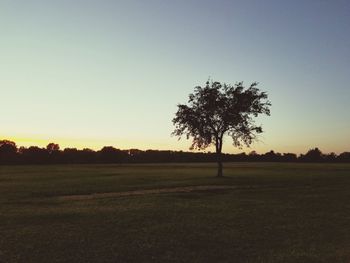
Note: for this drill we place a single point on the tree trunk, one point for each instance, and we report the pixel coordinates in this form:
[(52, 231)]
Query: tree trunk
[(219, 164), (218, 154)]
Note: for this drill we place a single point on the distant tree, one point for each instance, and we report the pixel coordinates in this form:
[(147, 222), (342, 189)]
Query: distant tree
[(88, 155), (330, 157), (253, 153), (344, 157), (34, 155), (52, 147), (109, 154), (254, 156), (290, 157), (313, 155), (8, 146), (216, 110), (8, 151), (71, 155), (271, 156)]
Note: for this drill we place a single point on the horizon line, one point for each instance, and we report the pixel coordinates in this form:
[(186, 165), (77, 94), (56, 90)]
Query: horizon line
[(43, 146)]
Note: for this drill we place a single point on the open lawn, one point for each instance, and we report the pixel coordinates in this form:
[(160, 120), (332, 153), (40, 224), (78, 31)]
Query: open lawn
[(261, 212)]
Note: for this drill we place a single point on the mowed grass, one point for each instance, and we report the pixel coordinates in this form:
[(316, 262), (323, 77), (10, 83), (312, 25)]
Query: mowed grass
[(277, 213)]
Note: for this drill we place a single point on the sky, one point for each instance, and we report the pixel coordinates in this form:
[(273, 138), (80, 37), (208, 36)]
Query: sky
[(89, 73)]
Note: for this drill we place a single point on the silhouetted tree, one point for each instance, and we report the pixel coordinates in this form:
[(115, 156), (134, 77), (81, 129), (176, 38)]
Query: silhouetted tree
[(88, 155), (54, 152), (216, 110), (271, 156), (330, 157), (110, 154), (289, 157), (254, 156), (34, 155), (313, 155), (8, 152), (52, 147), (71, 155), (344, 157)]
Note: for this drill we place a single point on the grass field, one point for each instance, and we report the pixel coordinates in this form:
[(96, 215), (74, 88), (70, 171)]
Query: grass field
[(275, 213)]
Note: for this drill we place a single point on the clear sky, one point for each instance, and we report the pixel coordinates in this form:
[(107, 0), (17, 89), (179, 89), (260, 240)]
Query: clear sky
[(88, 73)]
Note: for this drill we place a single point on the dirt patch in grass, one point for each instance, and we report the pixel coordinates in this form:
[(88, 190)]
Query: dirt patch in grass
[(185, 189)]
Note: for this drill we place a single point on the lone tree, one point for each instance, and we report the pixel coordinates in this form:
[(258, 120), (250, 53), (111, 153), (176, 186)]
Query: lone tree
[(216, 110)]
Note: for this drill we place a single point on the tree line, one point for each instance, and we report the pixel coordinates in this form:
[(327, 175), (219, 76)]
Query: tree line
[(52, 154)]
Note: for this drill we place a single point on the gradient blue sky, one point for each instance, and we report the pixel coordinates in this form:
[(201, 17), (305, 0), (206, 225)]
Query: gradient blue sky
[(93, 73)]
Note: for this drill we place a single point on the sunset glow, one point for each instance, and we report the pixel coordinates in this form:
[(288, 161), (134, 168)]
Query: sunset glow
[(96, 73)]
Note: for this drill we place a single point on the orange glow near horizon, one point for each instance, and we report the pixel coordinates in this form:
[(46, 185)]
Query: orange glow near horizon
[(94, 144), (43, 142), (124, 144)]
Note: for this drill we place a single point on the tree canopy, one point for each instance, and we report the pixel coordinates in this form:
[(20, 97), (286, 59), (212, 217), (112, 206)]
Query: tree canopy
[(216, 110)]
